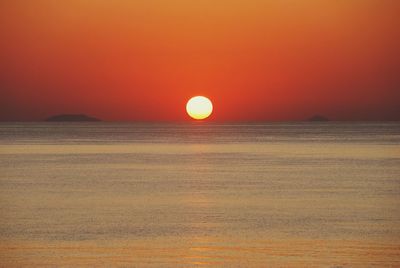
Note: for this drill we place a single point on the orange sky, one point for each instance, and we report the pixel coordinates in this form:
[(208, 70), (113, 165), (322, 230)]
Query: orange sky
[(255, 59)]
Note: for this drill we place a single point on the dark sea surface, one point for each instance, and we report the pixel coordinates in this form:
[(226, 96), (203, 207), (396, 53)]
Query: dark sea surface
[(200, 195)]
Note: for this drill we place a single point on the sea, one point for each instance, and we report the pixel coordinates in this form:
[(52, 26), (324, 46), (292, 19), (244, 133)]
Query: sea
[(200, 194)]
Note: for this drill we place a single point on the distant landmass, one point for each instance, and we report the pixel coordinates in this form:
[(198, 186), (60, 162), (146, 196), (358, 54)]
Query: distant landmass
[(72, 118), (318, 118)]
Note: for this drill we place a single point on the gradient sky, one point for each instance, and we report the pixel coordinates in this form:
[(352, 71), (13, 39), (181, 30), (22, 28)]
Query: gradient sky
[(255, 59)]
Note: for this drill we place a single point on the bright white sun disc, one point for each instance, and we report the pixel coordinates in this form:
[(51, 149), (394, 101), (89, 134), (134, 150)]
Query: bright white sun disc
[(199, 107)]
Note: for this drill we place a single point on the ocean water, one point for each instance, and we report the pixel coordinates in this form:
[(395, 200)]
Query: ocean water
[(200, 195)]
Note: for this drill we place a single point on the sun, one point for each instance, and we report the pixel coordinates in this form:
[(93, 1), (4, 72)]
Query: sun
[(199, 107)]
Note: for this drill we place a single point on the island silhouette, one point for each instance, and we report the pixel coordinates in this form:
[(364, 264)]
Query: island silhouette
[(72, 118), (318, 118)]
